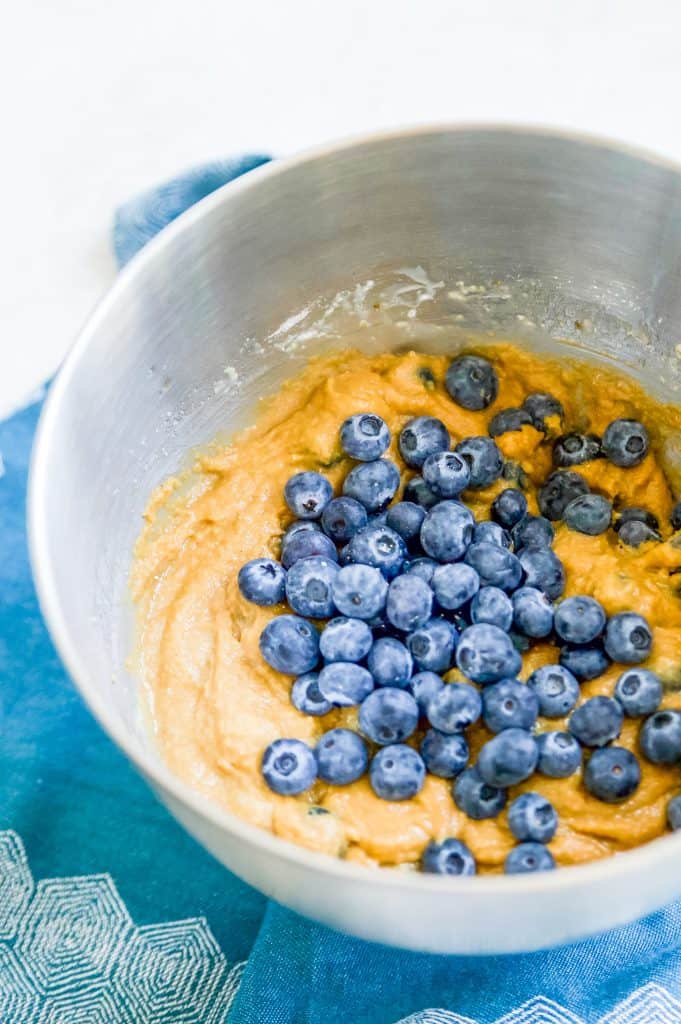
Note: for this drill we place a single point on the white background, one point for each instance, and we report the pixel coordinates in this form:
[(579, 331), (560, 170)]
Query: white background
[(100, 100)]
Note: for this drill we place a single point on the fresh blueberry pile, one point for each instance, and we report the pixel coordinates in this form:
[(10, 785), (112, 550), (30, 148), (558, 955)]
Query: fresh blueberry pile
[(402, 592)]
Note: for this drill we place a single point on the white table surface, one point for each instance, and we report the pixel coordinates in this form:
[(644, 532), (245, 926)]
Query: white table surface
[(102, 100)]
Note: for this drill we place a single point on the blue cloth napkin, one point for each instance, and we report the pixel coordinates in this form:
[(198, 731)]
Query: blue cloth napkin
[(110, 913)]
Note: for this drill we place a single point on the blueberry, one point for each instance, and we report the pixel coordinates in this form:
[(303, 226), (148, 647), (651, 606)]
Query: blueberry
[(305, 696), (660, 737), (508, 758), (345, 639), (526, 858), (450, 857), (454, 707), (423, 687), (674, 813), (491, 533), (634, 533), (574, 449), (343, 518), (306, 544), (509, 704), (635, 513), (424, 568), (559, 489), (364, 436), (532, 612), (406, 518), (485, 654), (509, 420), (639, 691), (589, 513), (307, 494), (596, 722), (397, 772), (444, 754), (543, 570), (612, 774), (388, 716), (432, 646), (390, 663), (579, 620), (509, 507), (556, 688), (344, 683), (585, 662), (476, 798), (447, 531), (628, 638), (560, 755), (454, 585), (533, 532), (288, 767), (359, 591), (308, 587), (262, 581), (422, 437), (380, 547), (492, 605), (542, 406), (342, 757), (532, 818), (626, 442), (472, 382), (446, 473), (495, 566), (484, 459), (418, 491), (675, 517), (373, 484), (290, 645)]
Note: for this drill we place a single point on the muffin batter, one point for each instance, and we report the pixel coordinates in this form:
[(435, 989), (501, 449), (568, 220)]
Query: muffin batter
[(216, 704)]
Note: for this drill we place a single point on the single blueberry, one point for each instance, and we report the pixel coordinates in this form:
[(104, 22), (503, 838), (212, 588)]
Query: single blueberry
[(675, 517), (450, 857), (492, 605), (446, 473), (305, 696), (628, 638), (344, 683), (509, 704), (409, 604), (660, 737), (380, 547), (388, 716), (532, 612), (364, 436), (424, 568), (596, 722), (543, 570), (406, 518), (579, 620), (508, 758), (454, 707), (509, 507), (495, 566), (432, 645), (421, 437), (290, 645), (533, 532), (306, 544), (639, 691), (345, 639), (262, 581), (492, 533), (472, 382), (307, 494), (585, 662), (343, 518), (626, 442), (612, 774), (308, 587), (531, 818), (417, 490), (674, 813), (423, 687), (526, 858), (635, 513), (390, 663), (574, 449), (447, 531), (589, 513), (444, 754), (342, 757), (509, 420), (560, 755), (541, 407), (360, 591), (477, 798), (559, 489), (484, 458), (485, 654), (288, 767), (397, 772), (454, 585), (556, 688), (634, 533), (373, 484)]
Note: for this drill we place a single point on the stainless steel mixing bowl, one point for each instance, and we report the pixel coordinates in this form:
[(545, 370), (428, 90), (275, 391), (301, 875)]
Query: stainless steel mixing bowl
[(411, 238)]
